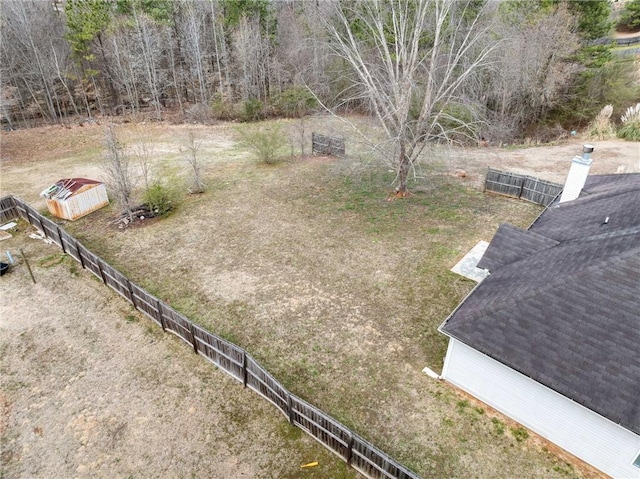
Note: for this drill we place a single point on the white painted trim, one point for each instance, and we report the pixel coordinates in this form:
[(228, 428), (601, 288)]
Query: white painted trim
[(445, 366)]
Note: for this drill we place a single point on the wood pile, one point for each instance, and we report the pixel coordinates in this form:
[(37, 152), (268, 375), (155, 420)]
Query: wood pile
[(138, 214)]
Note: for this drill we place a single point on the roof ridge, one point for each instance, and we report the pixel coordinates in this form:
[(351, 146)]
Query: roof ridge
[(610, 234), (574, 276)]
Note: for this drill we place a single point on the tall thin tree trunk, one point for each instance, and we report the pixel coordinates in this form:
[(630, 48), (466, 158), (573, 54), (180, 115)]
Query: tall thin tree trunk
[(215, 46), (404, 164)]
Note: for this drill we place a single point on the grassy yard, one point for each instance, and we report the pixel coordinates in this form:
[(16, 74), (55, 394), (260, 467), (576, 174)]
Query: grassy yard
[(336, 291)]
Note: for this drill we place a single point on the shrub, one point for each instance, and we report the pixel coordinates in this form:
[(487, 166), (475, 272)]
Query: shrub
[(252, 110), (630, 128), (295, 102), (221, 109), (265, 143), (601, 126), (161, 198), (498, 426), (613, 83), (199, 113), (630, 19)]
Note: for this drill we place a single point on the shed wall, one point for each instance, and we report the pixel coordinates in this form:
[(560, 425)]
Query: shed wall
[(79, 204), (580, 431)]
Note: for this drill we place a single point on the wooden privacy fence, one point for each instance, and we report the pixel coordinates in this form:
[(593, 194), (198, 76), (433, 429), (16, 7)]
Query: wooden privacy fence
[(8, 210), (327, 145), (521, 186), (232, 359)]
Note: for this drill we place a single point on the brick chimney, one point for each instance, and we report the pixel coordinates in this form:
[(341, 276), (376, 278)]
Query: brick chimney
[(577, 175)]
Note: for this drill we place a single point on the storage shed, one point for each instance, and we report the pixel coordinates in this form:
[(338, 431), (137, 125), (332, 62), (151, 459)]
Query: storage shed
[(73, 198)]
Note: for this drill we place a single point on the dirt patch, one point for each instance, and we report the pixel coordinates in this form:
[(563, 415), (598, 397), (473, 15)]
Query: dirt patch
[(552, 163)]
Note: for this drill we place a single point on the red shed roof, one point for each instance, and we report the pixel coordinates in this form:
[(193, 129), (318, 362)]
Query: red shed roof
[(66, 187)]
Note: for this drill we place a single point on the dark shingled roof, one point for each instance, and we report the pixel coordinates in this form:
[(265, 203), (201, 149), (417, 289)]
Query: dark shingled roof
[(512, 244), (562, 302)]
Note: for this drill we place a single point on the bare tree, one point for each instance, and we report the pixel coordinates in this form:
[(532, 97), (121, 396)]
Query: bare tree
[(252, 54), (532, 68), (31, 54), (149, 42), (193, 43), (143, 152), (411, 59), (117, 170), (193, 145)]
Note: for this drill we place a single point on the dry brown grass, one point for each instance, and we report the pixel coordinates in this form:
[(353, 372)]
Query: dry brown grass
[(91, 388), (335, 290)]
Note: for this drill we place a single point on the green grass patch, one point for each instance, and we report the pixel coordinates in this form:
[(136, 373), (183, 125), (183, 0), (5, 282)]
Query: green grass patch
[(52, 260), (519, 433), (498, 426)]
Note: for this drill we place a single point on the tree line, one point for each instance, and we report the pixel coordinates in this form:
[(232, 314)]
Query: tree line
[(249, 59)]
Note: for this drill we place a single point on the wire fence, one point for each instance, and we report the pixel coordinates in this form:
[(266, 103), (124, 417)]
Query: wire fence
[(230, 358), (521, 186)]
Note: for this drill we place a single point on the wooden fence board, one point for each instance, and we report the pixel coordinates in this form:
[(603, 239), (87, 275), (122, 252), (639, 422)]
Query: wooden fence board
[(521, 186), (116, 281), (224, 354), (69, 245), (508, 184), (322, 427), (373, 463), (8, 210), (145, 303), (266, 385), (90, 261), (50, 229), (33, 217), (539, 191), (176, 323)]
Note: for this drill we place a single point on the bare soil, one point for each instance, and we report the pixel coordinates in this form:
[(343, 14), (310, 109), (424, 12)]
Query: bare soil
[(336, 291)]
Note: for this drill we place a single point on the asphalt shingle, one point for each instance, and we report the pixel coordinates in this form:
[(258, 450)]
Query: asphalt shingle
[(562, 302)]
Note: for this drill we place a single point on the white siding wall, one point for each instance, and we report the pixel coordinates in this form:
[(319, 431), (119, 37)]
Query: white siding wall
[(585, 434), (80, 204)]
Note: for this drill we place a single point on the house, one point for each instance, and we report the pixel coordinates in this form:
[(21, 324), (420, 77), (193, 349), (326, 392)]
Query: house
[(551, 337), (73, 198)]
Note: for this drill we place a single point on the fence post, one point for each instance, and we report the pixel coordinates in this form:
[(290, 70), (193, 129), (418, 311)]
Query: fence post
[(244, 368), (130, 289), (290, 408), (193, 337), (349, 449), (38, 217), (160, 318), (79, 254), (521, 187), (21, 209), (100, 270), (64, 250)]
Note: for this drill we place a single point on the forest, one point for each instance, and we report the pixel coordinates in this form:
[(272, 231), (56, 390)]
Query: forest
[(542, 69)]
